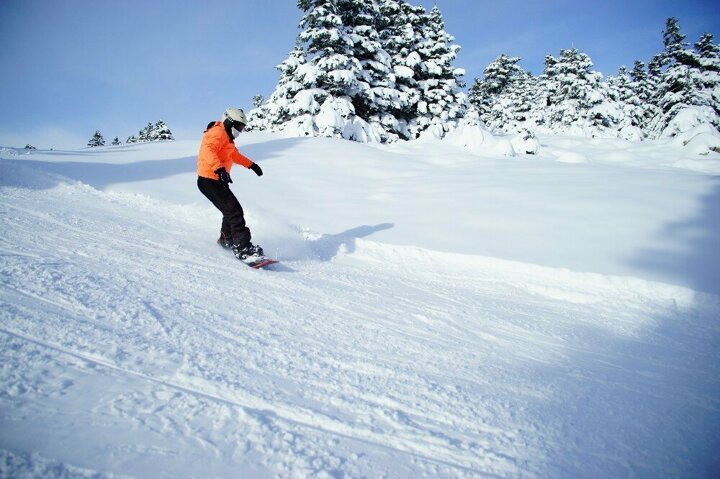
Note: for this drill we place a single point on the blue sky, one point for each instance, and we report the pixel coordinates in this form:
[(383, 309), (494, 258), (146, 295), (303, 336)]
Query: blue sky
[(73, 66)]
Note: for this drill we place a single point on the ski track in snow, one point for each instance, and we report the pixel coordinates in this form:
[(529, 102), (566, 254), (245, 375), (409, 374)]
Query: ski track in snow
[(131, 346)]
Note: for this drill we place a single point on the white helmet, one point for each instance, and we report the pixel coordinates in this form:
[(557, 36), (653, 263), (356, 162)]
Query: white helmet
[(235, 114)]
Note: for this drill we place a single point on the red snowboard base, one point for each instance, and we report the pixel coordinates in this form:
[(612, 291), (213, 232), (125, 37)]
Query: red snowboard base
[(261, 263)]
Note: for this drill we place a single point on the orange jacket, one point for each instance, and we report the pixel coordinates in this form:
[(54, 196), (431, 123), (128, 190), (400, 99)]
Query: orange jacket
[(217, 151)]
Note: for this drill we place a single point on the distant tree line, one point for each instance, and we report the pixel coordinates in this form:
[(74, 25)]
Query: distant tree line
[(152, 132), (679, 88)]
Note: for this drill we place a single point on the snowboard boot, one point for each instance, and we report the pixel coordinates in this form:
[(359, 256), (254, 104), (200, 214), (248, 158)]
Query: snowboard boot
[(248, 251), (225, 241)]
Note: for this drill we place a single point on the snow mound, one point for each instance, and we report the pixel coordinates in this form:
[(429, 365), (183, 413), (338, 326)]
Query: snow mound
[(632, 133), (702, 139), (571, 157), (480, 141), (704, 144), (688, 119), (525, 143), (8, 153)]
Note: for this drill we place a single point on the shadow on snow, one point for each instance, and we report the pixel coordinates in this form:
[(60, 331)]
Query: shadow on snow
[(328, 245), (19, 173), (694, 256)]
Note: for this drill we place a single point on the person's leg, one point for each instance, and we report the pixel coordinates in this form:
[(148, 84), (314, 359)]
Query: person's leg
[(233, 215)]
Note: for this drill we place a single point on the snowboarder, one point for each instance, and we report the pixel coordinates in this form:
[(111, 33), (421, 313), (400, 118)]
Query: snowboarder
[(215, 159)]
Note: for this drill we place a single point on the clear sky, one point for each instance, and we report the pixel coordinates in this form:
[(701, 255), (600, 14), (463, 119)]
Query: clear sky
[(70, 67)]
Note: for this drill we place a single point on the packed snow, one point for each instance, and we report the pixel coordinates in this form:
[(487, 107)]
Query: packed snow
[(453, 308)]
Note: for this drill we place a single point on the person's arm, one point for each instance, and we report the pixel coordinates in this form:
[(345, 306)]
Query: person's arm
[(235, 156), (243, 160)]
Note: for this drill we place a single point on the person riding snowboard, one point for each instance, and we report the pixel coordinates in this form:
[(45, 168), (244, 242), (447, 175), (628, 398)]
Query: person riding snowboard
[(215, 159)]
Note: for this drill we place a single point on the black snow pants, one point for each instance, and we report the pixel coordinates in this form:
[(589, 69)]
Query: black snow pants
[(233, 221)]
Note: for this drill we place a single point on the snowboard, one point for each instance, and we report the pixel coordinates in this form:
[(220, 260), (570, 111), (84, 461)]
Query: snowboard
[(256, 262), (259, 263)]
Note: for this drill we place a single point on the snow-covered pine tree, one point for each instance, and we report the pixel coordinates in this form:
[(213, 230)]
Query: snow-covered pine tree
[(546, 89), (441, 101), (673, 40), (96, 140), (346, 62), (497, 79), (511, 111), (162, 132), (619, 86), (709, 52), (116, 141), (709, 59), (358, 72), (627, 108), (400, 26), (368, 70), (151, 132), (618, 91), (642, 99), (131, 139), (144, 133), (687, 92), (329, 81), (654, 70), (378, 99), (576, 98)]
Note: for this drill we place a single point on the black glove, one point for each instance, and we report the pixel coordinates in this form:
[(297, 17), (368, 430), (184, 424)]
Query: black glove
[(256, 168), (223, 175)]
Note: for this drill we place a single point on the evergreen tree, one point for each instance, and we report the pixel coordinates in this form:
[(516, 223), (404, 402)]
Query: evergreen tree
[(116, 141), (547, 85), (131, 139), (709, 65), (400, 28), (642, 97), (511, 111), (144, 133), (709, 52), (151, 132), (376, 81), (673, 41), (326, 85), (619, 86), (574, 95), (439, 83), (687, 90), (348, 64), (368, 70), (639, 82), (96, 140), (161, 131), (498, 77), (623, 105)]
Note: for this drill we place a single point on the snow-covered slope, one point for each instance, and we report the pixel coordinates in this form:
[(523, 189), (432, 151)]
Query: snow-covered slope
[(436, 313)]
